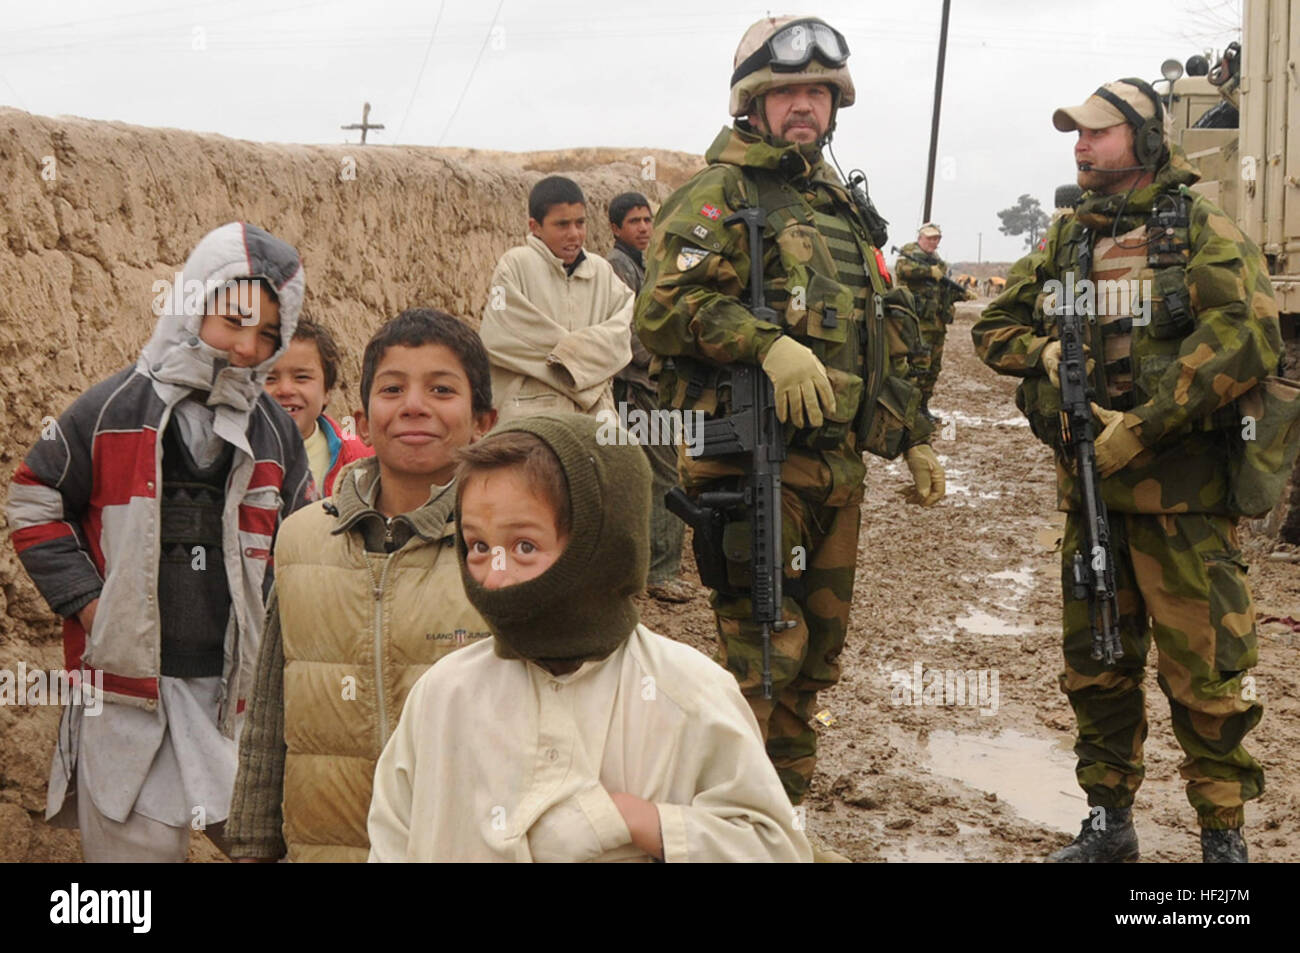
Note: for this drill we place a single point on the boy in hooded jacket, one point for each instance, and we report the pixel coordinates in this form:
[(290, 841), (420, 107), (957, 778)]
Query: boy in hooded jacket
[(146, 519), (575, 733)]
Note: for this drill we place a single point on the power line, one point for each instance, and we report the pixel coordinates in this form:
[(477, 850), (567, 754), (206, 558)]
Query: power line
[(416, 88), (473, 70)]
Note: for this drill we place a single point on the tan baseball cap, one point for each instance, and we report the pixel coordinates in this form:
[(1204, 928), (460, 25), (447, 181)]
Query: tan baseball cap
[(929, 230), (1097, 113)]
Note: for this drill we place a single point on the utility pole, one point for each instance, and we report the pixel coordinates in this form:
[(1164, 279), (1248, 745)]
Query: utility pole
[(365, 125), (934, 119), (979, 258)]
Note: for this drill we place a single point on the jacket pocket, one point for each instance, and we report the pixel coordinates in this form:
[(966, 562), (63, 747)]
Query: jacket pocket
[(1040, 402), (898, 402)]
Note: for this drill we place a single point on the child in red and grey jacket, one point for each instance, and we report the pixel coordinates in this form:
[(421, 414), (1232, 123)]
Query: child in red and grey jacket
[(301, 383), (147, 520)]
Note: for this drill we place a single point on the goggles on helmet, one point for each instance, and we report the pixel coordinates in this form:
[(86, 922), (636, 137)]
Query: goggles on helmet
[(791, 48)]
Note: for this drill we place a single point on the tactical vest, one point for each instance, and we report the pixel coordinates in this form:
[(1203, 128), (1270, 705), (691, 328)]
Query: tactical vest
[(822, 277), (1139, 330), (1141, 340)]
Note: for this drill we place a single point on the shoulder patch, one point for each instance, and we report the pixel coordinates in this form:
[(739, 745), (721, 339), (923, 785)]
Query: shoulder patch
[(710, 212), (700, 232), (689, 257)]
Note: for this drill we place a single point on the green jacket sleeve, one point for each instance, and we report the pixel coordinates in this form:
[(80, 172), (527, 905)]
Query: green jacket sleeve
[(1006, 336), (697, 277), (1236, 341)]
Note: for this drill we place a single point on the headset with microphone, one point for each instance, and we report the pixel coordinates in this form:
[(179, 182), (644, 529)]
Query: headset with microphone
[(1148, 134)]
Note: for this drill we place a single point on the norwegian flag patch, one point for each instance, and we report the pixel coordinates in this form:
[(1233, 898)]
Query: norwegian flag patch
[(710, 212)]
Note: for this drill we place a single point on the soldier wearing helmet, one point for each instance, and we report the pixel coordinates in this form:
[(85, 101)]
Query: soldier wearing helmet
[(837, 356)]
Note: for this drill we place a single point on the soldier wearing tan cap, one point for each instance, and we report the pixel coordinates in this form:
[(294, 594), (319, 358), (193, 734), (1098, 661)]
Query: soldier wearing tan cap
[(1192, 327), (923, 272)]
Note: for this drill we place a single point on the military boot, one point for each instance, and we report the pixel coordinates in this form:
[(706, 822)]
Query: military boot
[(1117, 843), (1223, 847)]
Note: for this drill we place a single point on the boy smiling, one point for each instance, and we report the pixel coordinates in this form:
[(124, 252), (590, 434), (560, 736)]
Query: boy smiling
[(368, 595)]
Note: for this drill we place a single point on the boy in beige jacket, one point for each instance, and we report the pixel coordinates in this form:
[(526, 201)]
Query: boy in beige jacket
[(367, 596), (575, 733), (557, 321)]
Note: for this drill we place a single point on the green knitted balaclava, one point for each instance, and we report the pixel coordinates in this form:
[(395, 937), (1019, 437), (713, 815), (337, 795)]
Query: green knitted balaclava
[(581, 607)]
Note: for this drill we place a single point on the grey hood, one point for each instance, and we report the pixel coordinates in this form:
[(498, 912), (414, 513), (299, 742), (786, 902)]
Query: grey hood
[(179, 362)]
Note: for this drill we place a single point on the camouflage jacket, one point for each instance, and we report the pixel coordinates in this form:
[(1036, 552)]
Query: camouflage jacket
[(1187, 369), (921, 272), (821, 275)]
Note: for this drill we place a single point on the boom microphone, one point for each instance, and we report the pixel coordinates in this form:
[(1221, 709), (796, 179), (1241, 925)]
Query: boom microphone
[(1127, 168)]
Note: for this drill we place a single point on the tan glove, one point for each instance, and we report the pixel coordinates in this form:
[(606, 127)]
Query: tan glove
[(1116, 445), (800, 382), (1052, 361), (927, 476)]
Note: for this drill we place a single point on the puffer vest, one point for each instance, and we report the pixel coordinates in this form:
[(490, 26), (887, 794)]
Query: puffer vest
[(359, 628)]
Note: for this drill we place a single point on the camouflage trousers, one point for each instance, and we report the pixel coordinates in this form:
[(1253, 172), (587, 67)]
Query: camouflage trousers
[(933, 333), (666, 531), (1182, 580), (821, 546)]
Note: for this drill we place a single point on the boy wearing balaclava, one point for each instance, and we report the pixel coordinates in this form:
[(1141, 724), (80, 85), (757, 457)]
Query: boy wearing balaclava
[(146, 520), (575, 733)]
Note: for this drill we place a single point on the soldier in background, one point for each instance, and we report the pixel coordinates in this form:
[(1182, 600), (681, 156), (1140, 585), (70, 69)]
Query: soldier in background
[(1169, 366), (631, 222), (824, 277), (920, 269)]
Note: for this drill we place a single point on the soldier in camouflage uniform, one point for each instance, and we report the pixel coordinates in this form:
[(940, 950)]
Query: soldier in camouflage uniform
[(838, 359), (920, 269), (1167, 365)]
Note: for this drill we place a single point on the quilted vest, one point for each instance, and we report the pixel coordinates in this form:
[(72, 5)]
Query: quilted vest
[(358, 629)]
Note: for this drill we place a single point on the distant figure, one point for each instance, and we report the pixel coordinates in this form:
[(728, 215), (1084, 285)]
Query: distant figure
[(557, 319), (922, 271), (631, 222)]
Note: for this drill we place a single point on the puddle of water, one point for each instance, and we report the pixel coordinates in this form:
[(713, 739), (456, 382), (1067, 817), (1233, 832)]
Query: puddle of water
[(981, 623), (1023, 577), (1035, 776)]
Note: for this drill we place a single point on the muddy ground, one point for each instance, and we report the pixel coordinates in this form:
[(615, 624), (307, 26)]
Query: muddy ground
[(974, 583)]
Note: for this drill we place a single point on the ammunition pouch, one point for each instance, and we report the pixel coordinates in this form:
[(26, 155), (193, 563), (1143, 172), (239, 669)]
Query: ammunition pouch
[(1263, 446)]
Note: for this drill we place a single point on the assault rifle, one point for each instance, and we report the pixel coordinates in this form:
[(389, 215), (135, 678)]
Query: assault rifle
[(752, 427), (945, 281), (1093, 569)]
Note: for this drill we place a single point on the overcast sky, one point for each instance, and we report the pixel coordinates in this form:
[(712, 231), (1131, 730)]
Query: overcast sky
[(548, 74)]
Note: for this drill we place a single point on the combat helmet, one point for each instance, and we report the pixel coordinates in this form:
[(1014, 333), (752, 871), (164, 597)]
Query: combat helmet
[(777, 51)]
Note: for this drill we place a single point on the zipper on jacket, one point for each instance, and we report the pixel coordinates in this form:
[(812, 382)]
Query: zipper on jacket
[(379, 648)]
